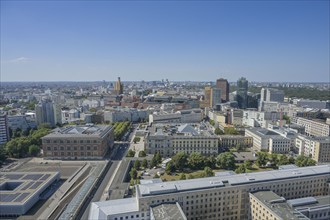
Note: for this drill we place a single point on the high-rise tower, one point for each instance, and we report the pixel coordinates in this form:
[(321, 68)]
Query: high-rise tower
[(242, 89), (224, 86), (118, 87)]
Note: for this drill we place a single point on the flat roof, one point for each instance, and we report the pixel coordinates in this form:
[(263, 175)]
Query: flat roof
[(99, 210), (18, 187), (231, 180), (168, 212), (79, 131)]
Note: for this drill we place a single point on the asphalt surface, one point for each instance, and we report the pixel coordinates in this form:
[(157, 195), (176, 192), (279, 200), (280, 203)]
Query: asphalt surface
[(115, 158)]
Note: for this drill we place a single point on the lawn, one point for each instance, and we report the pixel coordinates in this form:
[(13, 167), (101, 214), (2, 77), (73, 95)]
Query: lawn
[(195, 174), (255, 168)]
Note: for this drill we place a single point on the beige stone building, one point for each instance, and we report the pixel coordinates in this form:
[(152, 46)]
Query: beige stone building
[(78, 142), (318, 148), (221, 197), (270, 206), (170, 139), (315, 128), (227, 141)]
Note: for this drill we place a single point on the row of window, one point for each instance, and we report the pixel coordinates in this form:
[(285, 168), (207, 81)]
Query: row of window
[(71, 141), (72, 148)]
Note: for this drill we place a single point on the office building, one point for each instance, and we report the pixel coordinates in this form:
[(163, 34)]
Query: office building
[(207, 97), (270, 98), (315, 128), (45, 113), (78, 142), (307, 103), (269, 205), (215, 97), (19, 191), (4, 128), (271, 95), (119, 88), (224, 86), (228, 141), (169, 139), (220, 197), (267, 140), (126, 114), (242, 96), (182, 116), (254, 118), (318, 148), (22, 122)]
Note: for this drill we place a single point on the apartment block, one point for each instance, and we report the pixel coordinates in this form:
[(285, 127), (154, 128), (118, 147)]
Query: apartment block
[(318, 148), (268, 140), (314, 127), (4, 128), (78, 142)]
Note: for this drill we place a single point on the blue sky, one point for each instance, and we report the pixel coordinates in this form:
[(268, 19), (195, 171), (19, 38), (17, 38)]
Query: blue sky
[(177, 40)]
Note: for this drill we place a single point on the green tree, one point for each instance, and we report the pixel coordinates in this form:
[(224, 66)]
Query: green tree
[(144, 163), (241, 169), (262, 159), (248, 164), (190, 176), (180, 160), (303, 161), (136, 139), (283, 160), (210, 161), (196, 161), (158, 157), (153, 163), (130, 153), (183, 176), (137, 164), (3, 155), (142, 153), (133, 173), (170, 168), (208, 172), (231, 131), (34, 150), (218, 131), (273, 159), (226, 160)]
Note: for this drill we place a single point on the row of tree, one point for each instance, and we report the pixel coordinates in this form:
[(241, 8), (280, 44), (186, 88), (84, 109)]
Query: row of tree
[(276, 160), (120, 128), (26, 145), (196, 161)]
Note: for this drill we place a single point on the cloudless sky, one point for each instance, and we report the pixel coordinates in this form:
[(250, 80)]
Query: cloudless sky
[(175, 40)]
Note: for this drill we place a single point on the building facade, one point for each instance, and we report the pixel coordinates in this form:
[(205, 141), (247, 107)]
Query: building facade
[(45, 113), (314, 128), (224, 86), (241, 96), (228, 141), (78, 142), (4, 128), (222, 197), (170, 139), (119, 88), (215, 97)]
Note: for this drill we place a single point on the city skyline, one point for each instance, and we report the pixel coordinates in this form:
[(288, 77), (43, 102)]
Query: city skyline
[(194, 41)]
